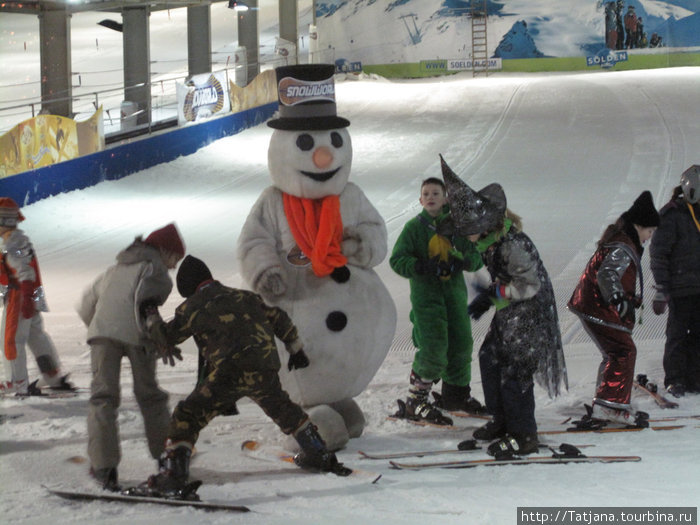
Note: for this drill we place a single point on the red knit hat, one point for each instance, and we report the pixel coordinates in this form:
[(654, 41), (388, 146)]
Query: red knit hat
[(9, 212), (167, 239)]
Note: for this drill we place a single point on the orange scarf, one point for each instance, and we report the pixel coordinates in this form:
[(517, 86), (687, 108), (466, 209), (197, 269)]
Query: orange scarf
[(317, 227)]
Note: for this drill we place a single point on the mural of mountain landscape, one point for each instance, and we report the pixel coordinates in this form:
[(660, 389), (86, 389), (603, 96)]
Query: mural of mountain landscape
[(396, 31)]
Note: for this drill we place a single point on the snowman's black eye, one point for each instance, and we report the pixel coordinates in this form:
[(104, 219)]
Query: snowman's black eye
[(336, 139), (305, 142)]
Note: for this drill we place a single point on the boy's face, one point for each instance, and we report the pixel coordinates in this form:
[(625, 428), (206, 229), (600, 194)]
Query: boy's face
[(432, 198), (170, 259)]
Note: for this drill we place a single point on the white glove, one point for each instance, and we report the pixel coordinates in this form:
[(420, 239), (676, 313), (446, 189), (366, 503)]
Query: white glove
[(271, 282)]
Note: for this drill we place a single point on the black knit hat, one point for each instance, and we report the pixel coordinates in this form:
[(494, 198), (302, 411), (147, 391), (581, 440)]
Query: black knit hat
[(191, 274), (643, 213)]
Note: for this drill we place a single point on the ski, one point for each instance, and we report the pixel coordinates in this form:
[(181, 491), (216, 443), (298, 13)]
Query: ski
[(569, 454), (423, 423), (604, 430), (469, 445), (8, 417), (256, 450), (125, 498), (427, 453), (644, 385)]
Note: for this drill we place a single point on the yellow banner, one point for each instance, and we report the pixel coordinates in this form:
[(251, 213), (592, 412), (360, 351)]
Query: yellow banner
[(48, 139), (262, 90)]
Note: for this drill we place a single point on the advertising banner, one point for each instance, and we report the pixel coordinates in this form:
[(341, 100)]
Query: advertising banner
[(48, 139), (202, 97)]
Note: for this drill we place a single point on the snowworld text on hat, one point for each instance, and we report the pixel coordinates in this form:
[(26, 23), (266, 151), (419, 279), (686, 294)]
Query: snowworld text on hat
[(294, 91)]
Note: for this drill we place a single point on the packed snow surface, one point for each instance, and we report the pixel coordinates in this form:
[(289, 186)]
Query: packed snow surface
[(571, 150)]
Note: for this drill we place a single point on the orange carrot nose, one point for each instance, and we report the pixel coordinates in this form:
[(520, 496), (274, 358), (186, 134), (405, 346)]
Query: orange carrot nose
[(322, 157)]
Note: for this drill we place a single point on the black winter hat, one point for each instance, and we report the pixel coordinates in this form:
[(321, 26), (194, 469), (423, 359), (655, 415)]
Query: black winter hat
[(643, 212), (191, 274)]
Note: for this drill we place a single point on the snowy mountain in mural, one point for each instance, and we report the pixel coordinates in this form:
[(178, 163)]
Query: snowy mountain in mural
[(392, 31)]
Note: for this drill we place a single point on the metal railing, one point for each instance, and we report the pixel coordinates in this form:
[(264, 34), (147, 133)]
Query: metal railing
[(162, 104)]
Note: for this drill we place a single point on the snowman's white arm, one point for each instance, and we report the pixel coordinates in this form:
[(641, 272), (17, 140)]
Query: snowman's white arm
[(367, 229), (257, 244)]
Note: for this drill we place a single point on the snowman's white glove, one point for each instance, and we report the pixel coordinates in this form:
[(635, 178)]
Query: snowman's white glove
[(271, 282), (353, 247)]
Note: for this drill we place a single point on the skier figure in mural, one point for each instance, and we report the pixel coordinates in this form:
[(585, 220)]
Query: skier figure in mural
[(610, 26), (619, 25), (523, 343), (675, 262), (22, 294), (309, 245), (630, 27), (605, 299), (235, 334), (640, 35)]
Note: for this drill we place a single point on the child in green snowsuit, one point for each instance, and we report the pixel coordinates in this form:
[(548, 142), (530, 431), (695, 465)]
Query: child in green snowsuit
[(433, 258)]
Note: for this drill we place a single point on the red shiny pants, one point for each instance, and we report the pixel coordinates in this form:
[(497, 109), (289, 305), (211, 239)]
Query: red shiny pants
[(616, 371)]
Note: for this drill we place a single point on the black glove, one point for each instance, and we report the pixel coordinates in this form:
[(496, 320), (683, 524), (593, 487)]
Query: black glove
[(625, 306), (428, 266), (660, 302), (482, 303), (169, 354), (298, 360), (452, 265)]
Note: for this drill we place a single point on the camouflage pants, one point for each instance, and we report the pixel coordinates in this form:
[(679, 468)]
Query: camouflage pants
[(217, 394)]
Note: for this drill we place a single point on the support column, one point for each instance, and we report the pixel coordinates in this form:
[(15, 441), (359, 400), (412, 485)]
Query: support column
[(248, 38), (289, 25), (137, 60), (199, 39), (56, 89)]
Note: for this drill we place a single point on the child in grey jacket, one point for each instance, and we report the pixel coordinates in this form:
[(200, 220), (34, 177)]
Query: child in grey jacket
[(114, 310)]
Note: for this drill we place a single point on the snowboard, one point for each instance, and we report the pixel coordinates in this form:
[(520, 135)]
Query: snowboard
[(124, 498), (644, 385)]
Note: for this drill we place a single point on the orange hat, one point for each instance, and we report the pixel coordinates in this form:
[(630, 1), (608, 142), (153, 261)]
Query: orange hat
[(9, 212), (167, 239)]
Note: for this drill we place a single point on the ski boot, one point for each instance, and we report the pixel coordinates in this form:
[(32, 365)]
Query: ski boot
[(417, 407), (171, 482), (63, 385), (107, 478), (513, 445), (494, 429), (420, 409), (458, 398), (677, 390), (624, 416), (314, 455)]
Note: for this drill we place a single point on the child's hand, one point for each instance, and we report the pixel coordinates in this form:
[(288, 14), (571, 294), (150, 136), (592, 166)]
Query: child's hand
[(428, 266), (169, 354), (298, 360)]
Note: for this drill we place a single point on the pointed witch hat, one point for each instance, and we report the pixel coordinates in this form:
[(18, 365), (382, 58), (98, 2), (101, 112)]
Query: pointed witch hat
[(473, 211)]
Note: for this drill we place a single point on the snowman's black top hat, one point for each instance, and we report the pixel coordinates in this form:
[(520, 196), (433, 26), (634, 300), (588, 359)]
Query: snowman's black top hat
[(307, 98)]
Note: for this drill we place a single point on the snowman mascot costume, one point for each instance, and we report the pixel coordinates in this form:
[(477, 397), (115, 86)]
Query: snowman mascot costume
[(309, 245)]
